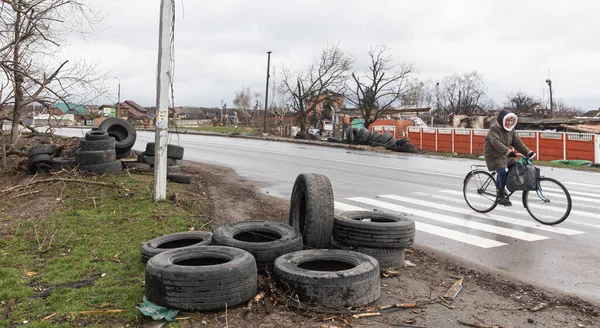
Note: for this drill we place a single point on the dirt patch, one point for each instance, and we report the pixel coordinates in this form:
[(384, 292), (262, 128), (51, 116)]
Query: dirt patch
[(486, 300)]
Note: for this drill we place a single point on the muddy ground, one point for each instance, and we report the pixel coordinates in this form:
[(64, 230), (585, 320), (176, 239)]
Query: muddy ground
[(486, 300)]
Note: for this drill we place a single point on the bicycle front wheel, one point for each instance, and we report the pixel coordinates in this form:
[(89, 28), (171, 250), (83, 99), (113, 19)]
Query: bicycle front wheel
[(550, 204), (479, 190)]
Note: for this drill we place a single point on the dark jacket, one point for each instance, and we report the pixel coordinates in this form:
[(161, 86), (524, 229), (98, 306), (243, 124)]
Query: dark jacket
[(497, 146)]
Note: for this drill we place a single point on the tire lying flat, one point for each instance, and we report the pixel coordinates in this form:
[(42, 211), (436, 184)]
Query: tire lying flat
[(201, 278)]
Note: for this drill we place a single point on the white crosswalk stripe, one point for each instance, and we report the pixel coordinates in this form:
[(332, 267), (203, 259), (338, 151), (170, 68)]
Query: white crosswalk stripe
[(451, 216), (451, 220), (588, 185), (523, 223), (435, 230), (577, 212)]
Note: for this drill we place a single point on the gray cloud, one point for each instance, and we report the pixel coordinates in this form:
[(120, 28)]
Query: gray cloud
[(221, 47)]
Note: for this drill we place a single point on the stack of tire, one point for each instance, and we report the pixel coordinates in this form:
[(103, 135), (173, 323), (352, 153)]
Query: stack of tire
[(45, 158), (301, 135), (96, 153), (403, 146), (318, 275), (381, 235), (376, 139), (174, 157), (123, 133)]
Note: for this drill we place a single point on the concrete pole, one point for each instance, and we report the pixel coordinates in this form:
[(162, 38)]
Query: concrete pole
[(267, 92), (162, 101)]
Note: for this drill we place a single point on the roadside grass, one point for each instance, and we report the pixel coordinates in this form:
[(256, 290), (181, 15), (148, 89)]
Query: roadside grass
[(95, 240)]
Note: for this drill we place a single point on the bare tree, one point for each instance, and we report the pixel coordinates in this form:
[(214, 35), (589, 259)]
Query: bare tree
[(306, 89), (461, 95), (418, 95), (382, 87), (33, 31), (523, 104)]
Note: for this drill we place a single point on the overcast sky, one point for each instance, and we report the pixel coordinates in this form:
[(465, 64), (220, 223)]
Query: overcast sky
[(220, 46)]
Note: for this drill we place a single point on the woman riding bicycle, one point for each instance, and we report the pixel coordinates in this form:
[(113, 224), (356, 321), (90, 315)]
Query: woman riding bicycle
[(497, 152)]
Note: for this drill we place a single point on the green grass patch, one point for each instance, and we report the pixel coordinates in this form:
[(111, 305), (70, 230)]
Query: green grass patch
[(96, 238)]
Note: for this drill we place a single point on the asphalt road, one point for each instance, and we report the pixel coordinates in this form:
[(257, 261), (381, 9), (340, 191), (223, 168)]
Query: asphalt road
[(507, 240)]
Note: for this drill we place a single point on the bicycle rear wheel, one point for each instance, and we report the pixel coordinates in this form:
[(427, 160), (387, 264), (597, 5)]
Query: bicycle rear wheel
[(479, 190), (550, 204)]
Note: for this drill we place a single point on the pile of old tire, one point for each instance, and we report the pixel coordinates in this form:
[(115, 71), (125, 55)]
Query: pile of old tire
[(201, 278), (174, 157), (402, 145), (311, 209), (265, 240), (96, 153), (381, 235), (301, 135), (329, 278), (123, 132), (174, 240), (45, 158)]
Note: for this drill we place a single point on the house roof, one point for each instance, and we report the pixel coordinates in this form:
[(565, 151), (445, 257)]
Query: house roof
[(71, 108), (592, 113), (134, 105)]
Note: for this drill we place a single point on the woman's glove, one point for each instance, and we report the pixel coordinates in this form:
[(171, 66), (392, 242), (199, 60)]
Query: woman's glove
[(512, 154)]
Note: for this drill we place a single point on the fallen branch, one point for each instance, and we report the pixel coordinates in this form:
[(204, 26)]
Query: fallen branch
[(49, 317), (364, 315), (399, 306), (75, 285), (475, 325), (98, 312), (25, 194), (9, 307), (98, 183)]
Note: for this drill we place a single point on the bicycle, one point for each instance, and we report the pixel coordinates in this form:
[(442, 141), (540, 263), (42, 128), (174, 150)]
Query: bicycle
[(549, 192)]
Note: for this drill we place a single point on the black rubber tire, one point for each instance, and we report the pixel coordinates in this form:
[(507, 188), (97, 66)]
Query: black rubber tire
[(388, 258), (354, 283), (407, 148), (365, 137), (378, 144), (402, 141), (123, 153), (40, 162), (95, 157), (179, 178), (201, 278), (374, 138), (391, 142), (302, 135), (174, 240), (137, 166), (595, 165), (265, 240), (384, 230), (390, 147), (312, 136), (311, 209), (97, 145), (334, 140), (48, 149), (173, 151), (558, 186), (358, 136), (121, 130), (59, 163), (349, 136), (385, 137), (173, 169), (96, 135), (101, 169)]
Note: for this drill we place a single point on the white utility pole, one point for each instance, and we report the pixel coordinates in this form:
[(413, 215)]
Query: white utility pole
[(162, 100)]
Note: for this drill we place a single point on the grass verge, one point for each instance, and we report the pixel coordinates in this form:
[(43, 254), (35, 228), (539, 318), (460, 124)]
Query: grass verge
[(86, 252)]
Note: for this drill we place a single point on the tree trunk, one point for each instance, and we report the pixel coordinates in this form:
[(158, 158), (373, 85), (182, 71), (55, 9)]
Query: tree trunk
[(14, 134)]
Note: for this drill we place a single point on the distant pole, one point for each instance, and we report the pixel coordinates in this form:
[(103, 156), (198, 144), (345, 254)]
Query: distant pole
[(549, 82), (267, 91), (162, 100), (118, 98)]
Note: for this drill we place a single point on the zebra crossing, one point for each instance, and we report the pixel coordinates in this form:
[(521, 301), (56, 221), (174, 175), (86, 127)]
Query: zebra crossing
[(445, 214)]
